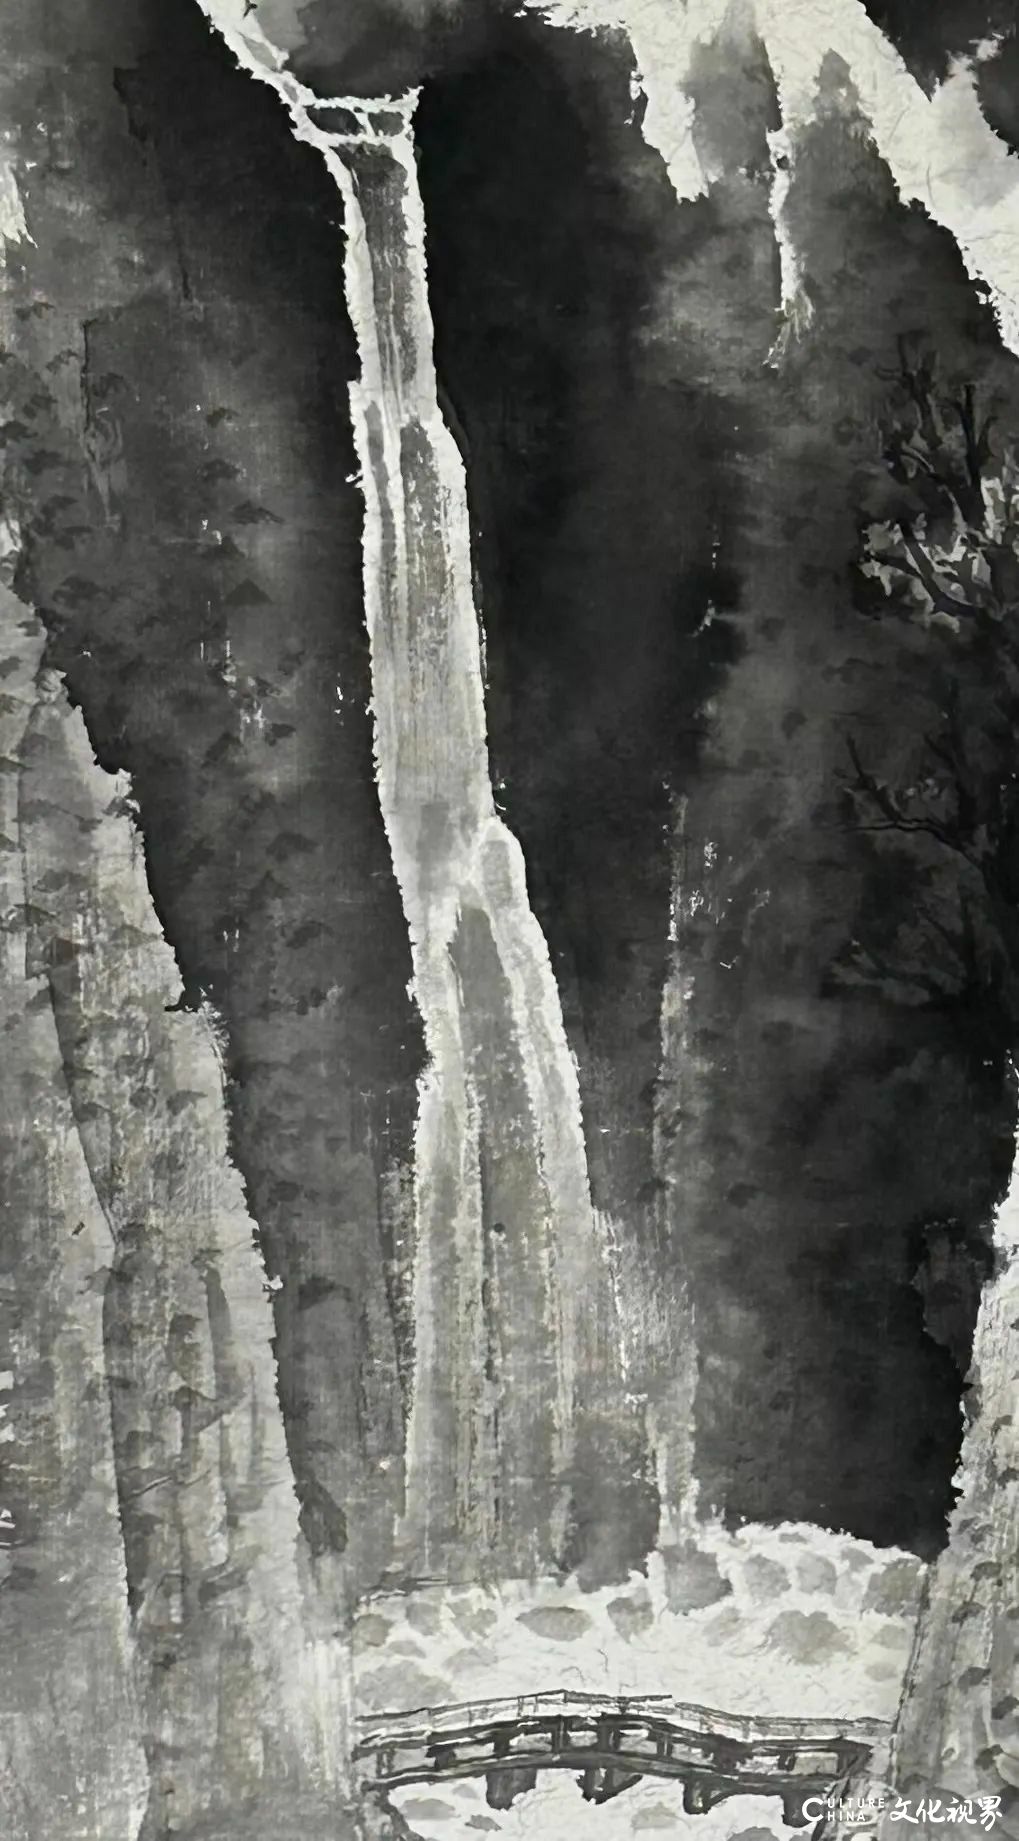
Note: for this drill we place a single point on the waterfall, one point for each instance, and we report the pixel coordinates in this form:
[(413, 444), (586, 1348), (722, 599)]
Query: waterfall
[(482, 976), (518, 1368)]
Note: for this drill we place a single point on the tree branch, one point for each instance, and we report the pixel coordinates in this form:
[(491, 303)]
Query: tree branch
[(897, 818)]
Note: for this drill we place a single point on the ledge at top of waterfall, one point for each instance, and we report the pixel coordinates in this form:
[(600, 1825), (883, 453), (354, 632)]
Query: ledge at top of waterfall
[(520, 1406)]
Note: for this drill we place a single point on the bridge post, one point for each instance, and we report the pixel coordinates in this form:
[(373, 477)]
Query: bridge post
[(792, 1806), (701, 1793), (502, 1787), (605, 1781)]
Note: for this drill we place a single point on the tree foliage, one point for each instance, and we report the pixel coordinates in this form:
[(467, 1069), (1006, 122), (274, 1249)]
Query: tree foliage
[(940, 552)]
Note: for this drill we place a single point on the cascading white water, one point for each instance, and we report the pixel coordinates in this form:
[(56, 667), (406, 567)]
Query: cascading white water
[(454, 858), (516, 1335)]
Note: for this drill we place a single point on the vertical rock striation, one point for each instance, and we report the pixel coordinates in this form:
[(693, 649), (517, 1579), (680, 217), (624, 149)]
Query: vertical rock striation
[(957, 1735), (71, 1763), (241, 1667)]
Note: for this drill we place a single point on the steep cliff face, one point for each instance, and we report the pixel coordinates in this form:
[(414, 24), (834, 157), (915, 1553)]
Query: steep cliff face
[(174, 1660), (200, 579), (72, 1759), (240, 1662), (957, 1735), (830, 1218), (175, 1655)]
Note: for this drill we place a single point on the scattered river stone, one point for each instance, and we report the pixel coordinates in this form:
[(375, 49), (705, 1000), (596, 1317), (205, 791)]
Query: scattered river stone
[(692, 1578), (371, 1631), (765, 1579), (816, 1574), (631, 1616), (424, 1615), (559, 1622), (807, 1636), (399, 1687), (894, 1589)]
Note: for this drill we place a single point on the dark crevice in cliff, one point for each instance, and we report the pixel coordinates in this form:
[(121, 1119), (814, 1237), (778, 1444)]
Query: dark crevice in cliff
[(601, 504)]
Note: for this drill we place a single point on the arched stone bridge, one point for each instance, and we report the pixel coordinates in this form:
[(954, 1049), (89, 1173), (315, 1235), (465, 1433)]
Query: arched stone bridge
[(610, 1744)]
